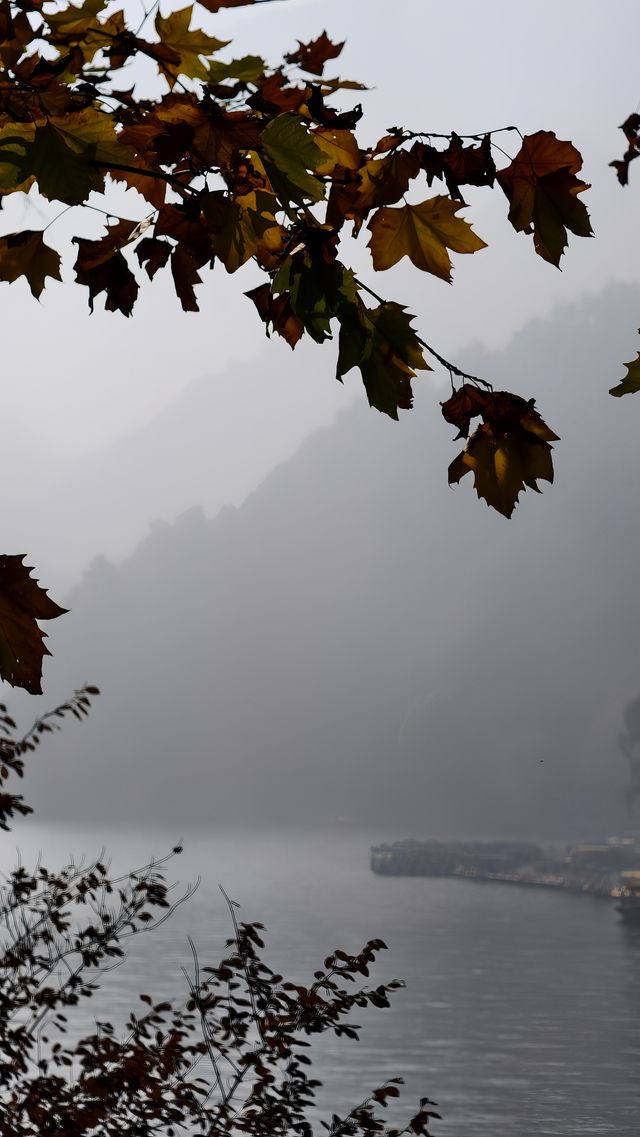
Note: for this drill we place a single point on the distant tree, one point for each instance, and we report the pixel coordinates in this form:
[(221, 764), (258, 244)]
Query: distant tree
[(229, 1059), (629, 743), (237, 161)]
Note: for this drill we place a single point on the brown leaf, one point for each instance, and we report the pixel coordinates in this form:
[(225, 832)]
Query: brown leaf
[(112, 276), (542, 190), (277, 311), (313, 55), (22, 603), (185, 274), (509, 452), (377, 182), (276, 96), (26, 254), (327, 116), (153, 253), (216, 5), (631, 130)]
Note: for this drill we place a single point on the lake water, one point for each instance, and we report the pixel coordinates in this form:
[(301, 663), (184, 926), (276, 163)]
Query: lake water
[(521, 1013)]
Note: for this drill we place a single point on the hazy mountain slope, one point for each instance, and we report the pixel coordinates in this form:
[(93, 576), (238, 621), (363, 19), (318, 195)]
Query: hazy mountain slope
[(358, 640), (213, 444)]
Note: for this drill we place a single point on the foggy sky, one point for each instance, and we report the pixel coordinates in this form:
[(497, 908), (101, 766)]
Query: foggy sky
[(75, 383), (359, 643), (351, 639)]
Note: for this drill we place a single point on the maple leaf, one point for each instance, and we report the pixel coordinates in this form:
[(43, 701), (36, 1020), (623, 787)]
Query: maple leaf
[(79, 28), (631, 381), (378, 181), (275, 95), (243, 227), (383, 345), (423, 233), (61, 172), (248, 69), (508, 452), (191, 47), (289, 152), (340, 147), (469, 165), (313, 55), (318, 290), (153, 253), (542, 189), (277, 311), (101, 266), (25, 254), (22, 603)]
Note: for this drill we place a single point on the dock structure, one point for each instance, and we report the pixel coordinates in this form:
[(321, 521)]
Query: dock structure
[(588, 868)]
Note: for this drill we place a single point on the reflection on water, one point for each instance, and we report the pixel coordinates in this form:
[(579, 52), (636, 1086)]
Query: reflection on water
[(521, 1010)]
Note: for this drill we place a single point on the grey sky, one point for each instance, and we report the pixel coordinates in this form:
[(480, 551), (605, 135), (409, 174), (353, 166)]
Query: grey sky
[(76, 383)]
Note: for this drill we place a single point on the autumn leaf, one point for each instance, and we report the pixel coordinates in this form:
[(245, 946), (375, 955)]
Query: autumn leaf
[(423, 233), (248, 69), (101, 266), (216, 5), (631, 130), (289, 153), (62, 173), (22, 603), (508, 452), (318, 291), (312, 56), (340, 148), (630, 383), (79, 28), (378, 181), (153, 253), (191, 47), (542, 190), (185, 275), (25, 254), (277, 312), (383, 345)]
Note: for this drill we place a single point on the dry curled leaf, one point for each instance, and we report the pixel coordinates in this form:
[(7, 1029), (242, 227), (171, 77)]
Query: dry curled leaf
[(509, 452)]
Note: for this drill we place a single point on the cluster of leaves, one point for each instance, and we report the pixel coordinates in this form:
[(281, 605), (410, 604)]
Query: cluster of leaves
[(61, 931), (509, 449), (236, 162), (630, 383), (13, 747)]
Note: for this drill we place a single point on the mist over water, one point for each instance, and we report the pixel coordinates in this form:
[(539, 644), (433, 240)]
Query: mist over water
[(521, 1008), (356, 654)]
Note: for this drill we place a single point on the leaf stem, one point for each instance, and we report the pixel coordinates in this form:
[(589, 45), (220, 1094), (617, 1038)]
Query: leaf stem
[(446, 363)]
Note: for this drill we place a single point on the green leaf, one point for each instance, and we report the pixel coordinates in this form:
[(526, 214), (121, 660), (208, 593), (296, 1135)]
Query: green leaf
[(248, 69), (289, 153), (630, 383), (62, 174), (317, 291), (382, 343)]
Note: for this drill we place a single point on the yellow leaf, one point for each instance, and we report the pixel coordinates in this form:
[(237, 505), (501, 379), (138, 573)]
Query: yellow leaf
[(190, 46), (340, 148), (423, 233)]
